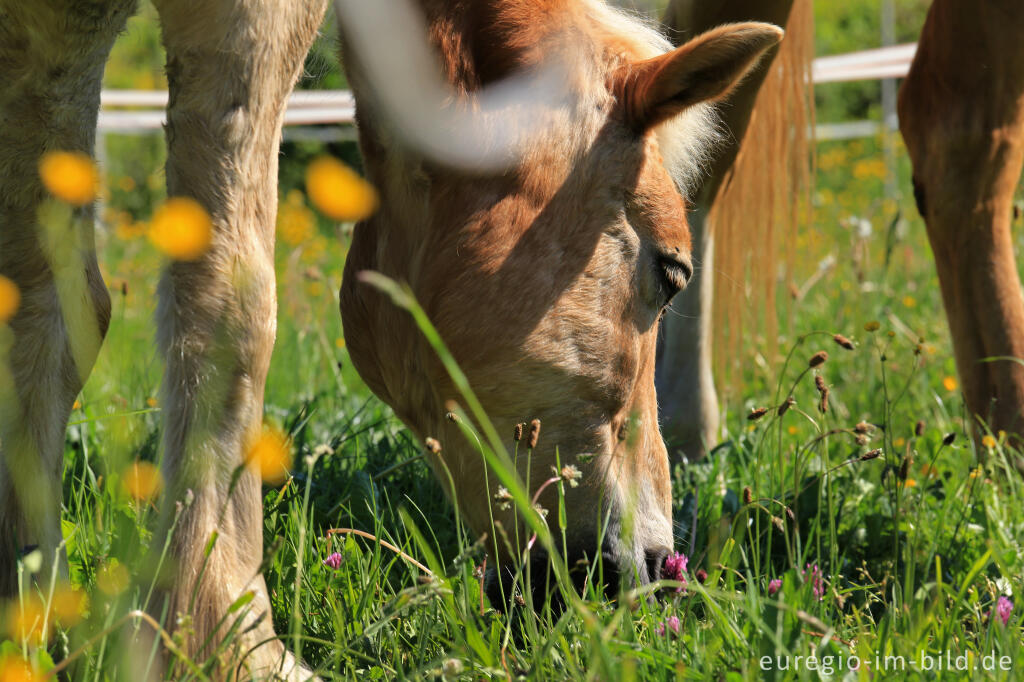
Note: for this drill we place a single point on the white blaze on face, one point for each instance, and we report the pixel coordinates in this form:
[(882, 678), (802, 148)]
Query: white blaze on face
[(640, 516)]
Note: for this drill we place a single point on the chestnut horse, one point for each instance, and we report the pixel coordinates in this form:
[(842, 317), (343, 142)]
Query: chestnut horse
[(547, 277)]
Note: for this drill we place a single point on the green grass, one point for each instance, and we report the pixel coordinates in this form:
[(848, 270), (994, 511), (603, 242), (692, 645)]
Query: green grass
[(914, 546)]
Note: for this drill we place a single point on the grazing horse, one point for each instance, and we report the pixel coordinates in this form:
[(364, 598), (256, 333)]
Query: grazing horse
[(546, 278)]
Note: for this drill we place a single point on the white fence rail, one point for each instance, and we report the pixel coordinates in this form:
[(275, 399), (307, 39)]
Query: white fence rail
[(878, 64), (141, 111), (305, 107)]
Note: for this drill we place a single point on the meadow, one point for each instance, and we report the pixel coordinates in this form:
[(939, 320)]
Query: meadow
[(852, 535)]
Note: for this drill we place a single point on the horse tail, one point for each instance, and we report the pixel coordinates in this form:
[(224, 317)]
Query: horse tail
[(762, 198)]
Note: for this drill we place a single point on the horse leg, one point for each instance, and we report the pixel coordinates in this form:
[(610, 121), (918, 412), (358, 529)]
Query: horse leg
[(687, 399), (961, 111), (231, 65), (51, 64)]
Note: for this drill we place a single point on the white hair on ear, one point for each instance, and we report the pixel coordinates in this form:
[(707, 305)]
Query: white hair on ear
[(486, 130), (689, 139)]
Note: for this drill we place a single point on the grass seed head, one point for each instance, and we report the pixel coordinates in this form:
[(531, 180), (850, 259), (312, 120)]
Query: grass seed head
[(863, 428), (871, 454), (748, 495), (919, 428), (843, 342), (818, 359), (786, 404), (534, 434), (570, 474), (757, 413), (904, 468), (518, 435), (504, 498), (949, 438), (819, 383), (433, 445), (823, 403)]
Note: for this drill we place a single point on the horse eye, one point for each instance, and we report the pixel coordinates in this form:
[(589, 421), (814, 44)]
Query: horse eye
[(674, 271)]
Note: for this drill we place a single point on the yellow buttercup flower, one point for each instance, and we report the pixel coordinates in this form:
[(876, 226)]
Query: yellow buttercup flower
[(988, 441), (25, 620), (182, 229), (950, 384), (69, 176), (16, 669), (10, 299), (68, 605), (338, 191), (142, 481), (270, 454), (295, 222)]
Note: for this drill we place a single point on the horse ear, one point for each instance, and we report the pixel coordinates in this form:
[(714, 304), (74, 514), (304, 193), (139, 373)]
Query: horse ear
[(705, 68)]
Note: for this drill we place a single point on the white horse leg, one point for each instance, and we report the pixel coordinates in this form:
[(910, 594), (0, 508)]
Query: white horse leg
[(687, 401), (51, 64), (231, 65)]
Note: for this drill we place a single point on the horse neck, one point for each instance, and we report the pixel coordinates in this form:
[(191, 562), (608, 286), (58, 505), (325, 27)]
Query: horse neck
[(476, 42), (396, 171)]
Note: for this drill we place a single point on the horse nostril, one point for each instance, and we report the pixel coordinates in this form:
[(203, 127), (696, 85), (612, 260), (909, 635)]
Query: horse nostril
[(655, 561), (676, 271)]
